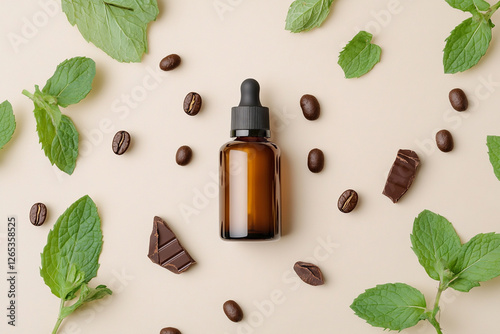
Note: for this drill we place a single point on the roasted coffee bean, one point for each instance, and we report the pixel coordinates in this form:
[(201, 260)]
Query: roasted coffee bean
[(170, 62), (458, 99), (309, 273), (310, 107), (192, 103), (444, 140), (183, 155), (316, 160), (38, 214), (347, 201), (233, 310), (170, 330), (121, 142)]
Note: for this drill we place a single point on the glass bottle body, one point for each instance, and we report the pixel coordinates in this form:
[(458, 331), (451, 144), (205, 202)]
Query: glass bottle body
[(250, 195)]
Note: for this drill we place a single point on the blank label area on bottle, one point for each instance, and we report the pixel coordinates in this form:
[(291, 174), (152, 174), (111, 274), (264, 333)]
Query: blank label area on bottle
[(238, 195)]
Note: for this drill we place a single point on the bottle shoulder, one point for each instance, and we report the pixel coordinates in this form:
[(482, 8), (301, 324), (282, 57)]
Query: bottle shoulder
[(239, 145)]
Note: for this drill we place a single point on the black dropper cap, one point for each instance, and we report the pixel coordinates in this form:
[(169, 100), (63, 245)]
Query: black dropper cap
[(250, 118)]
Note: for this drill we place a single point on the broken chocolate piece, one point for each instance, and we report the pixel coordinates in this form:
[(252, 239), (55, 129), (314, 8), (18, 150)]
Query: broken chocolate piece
[(401, 175), (166, 251)]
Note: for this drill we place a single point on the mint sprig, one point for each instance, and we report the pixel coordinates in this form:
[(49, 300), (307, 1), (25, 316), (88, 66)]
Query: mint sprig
[(304, 15), (71, 257), (439, 250), (118, 27), (470, 40), (7, 123), (359, 56), (493, 143), (71, 82)]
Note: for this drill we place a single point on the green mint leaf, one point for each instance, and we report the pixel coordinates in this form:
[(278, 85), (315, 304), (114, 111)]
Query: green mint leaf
[(304, 15), (76, 278), (481, 5), (58, 136), (72, 81), (86, 295), (391, 306), (65, 146), (467, 43), (359, 56), (99, 292), (493, 143), (71, 255), (464, 5), (7, 123), (463, 285), (478, 261), (436, 243), (118, 27), (469, 5), (46, 127)]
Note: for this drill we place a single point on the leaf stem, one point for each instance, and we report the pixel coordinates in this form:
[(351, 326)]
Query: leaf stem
[(47, 103), (492, 10), (436, 302), (435, 310), (495, 6), (436, 325), (59, 318), (28, 94)]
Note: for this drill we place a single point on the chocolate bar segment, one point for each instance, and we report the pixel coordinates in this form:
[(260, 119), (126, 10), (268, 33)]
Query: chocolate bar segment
[(166, 251), (401, 175)]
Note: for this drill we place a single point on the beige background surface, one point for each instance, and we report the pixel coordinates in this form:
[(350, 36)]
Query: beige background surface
[(401, 103)]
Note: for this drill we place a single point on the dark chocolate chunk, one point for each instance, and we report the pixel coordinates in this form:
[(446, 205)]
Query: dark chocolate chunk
[(170, 330), (401, 175), (458, 99), (347, 201), (166, 251), (233, 310), (444, 141), (309, 273)]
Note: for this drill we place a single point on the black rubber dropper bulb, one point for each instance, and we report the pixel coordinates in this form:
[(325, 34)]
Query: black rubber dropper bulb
[(250, 90), (250, 118)]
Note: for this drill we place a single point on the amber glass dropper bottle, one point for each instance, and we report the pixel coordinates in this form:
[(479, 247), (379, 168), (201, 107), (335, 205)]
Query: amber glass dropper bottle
[(249, 166)]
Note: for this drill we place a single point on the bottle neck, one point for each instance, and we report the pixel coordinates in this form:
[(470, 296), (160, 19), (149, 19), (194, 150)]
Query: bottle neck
[(252, 132), (251, 139)]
